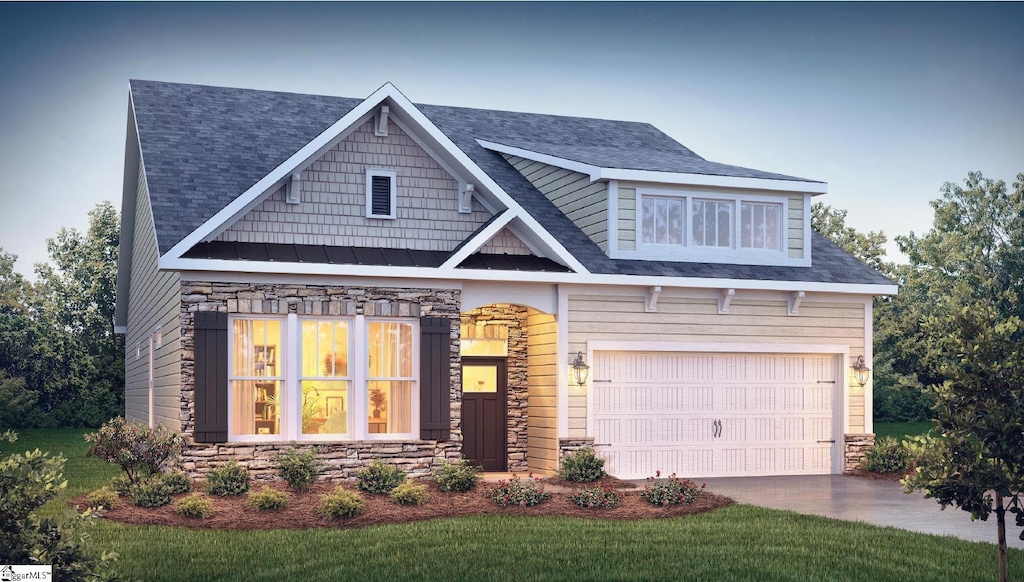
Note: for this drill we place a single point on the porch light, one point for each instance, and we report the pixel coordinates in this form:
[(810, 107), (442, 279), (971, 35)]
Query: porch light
[(860, 371), (580, 369)]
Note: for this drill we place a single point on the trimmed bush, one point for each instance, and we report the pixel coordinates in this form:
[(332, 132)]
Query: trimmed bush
[(194, 506), (300, 470), (152, 493), (379, 478), (409, 493), (121, 485), (887, 456), (104, 498), (583, 466), (229, 479), (672, 491), (177, 481), (340, 504), (596, 498), (266, 499), (461, 476), (518, 492), (140, 451)]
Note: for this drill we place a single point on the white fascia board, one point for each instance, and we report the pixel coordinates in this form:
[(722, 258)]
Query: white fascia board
[(129, 201), (599, 173), (180, 264), (280, 172), (478, 241)]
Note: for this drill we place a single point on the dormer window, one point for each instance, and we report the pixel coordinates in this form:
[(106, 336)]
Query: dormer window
[(709, 226), (380, 194)]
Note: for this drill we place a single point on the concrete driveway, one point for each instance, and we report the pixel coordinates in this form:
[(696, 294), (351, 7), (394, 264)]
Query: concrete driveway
[(861, 499)]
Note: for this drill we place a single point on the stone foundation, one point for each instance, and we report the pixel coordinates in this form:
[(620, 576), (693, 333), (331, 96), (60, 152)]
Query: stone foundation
[(343, 458), (568, 446), (512, 318), (855, 447)]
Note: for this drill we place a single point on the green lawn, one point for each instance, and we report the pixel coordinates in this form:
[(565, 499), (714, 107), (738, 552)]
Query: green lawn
[(737, 543), (900, 430)]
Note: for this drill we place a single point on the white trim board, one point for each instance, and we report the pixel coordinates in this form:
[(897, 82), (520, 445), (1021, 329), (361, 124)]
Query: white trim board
[(597, 173)]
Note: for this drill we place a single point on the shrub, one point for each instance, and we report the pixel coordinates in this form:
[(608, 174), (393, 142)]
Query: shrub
[(151, 493), (887, 456), (460, 476), (103, 498), (596, 498), (26, 483), (340, 504), (121, 485), (409, 494), (266, 499), (140, 451), (194, 506), (229, 479), (300, 470), (177, 482), (583, 466), (379, 478), (518, 492), (672, 491)]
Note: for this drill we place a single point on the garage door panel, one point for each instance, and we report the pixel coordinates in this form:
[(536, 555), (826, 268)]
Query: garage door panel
[(714, 414)]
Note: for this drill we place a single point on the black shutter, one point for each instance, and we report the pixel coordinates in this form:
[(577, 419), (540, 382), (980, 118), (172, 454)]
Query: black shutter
[(435, 378), (381, 193), (211, 377)]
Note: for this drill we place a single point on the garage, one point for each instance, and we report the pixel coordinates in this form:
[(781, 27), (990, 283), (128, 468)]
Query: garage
[(716, 414)]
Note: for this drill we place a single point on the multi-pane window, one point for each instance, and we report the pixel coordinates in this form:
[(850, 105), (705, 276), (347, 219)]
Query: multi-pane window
[(257, 377), (711, 223), (760, 225), (325, 377), (662, 220), (390, 380)]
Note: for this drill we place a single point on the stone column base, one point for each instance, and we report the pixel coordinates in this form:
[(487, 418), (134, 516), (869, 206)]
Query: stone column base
[(571, 445), (855, 447)]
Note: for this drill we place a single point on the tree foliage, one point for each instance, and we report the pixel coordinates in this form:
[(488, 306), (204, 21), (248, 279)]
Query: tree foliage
[(56, 336)]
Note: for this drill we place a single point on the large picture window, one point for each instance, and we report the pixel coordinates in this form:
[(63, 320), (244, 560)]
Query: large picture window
[(323, 378)]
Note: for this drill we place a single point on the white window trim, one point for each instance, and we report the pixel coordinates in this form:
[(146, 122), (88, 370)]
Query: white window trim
[(291, 381), (693, 253), (393, 176)]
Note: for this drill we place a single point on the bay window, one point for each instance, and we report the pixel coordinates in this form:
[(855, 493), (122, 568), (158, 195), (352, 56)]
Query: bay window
[(322, 378)]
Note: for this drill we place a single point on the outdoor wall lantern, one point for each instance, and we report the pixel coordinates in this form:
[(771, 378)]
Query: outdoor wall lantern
[(860, 371), (580, 370)]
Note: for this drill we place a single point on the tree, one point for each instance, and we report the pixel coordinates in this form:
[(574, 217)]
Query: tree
[(973, 262), (869, 248)]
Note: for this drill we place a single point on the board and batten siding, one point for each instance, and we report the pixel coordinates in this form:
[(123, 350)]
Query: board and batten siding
[(333, 207), (583, 201), (628, 214), (542, 374), (153, 300), (696, 320)]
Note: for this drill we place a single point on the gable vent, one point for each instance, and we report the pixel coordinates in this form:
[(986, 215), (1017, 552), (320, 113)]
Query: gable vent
[(380, 194)]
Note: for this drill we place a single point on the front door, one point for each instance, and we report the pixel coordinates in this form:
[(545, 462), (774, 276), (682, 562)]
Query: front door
[(484, 412)]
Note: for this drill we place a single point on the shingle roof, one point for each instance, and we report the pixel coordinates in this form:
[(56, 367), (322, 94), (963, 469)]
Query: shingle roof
[(204, 146)]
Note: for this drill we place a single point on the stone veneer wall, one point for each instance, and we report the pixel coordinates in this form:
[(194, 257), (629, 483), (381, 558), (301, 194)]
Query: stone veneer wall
[(855, 447), (567, 446), (343, 459), (513, 318)]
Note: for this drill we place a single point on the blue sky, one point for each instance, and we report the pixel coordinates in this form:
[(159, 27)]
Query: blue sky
[(885, 102)]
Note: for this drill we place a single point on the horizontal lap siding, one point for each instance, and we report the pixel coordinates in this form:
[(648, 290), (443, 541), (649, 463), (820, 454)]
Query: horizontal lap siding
[(583, 201), (695, 320), (153, 301), (627, 219), (795, 227), (542, 374)]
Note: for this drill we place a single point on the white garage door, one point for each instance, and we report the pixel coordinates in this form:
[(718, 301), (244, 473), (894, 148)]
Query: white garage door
[(702, 415)]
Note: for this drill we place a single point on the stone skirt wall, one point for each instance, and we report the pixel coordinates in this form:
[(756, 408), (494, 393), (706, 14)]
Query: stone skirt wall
[(855, 447), (343, 458), (568, 446)]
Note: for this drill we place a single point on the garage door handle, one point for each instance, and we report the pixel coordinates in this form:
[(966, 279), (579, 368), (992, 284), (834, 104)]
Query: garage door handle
[(826, 382), (830, 441), (716, 428)]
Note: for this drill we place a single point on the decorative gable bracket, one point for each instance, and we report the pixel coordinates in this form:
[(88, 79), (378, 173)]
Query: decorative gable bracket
[(466, 199), (724, 300), (380, 121), (294, 189), (652, 298), (794, 302)]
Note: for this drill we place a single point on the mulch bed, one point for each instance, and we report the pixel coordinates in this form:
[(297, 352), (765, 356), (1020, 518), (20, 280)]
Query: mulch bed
[(858, 472), (606, 482), (300, 513)]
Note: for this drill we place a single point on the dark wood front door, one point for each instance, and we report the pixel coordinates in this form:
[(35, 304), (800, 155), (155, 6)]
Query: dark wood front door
[(484, 412)]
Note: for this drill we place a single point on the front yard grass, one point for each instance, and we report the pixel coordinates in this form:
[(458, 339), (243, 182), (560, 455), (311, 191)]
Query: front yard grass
[(901, 430), (740, 542)]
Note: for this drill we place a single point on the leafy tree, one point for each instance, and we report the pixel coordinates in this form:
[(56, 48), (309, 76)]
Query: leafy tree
[(973, 261), (869, 248)]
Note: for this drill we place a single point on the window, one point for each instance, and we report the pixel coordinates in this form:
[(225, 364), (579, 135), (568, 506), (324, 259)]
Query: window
[(380, 193), (708, 225), (339, 378), (256, 377)]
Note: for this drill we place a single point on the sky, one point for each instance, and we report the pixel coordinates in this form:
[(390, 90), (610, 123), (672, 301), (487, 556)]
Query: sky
[(885, 102)]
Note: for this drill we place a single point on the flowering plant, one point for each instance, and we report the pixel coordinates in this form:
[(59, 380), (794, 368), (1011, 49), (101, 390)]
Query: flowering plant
[(518, 492), (673, 491)]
